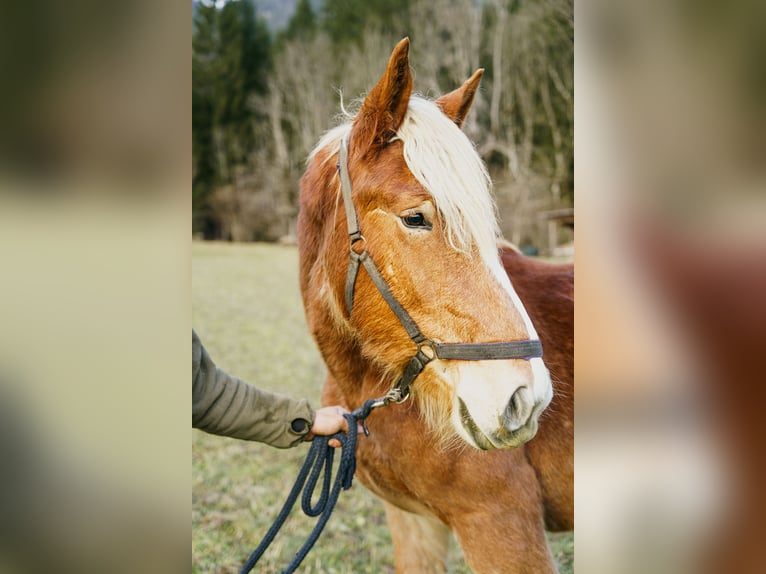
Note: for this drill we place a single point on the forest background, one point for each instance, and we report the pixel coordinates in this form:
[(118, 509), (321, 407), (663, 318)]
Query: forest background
[(268, 78)]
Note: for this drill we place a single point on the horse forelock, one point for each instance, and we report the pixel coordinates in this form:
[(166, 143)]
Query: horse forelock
[(445, 162)]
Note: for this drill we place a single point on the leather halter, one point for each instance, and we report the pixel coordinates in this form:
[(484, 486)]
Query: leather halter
[(428, 349)]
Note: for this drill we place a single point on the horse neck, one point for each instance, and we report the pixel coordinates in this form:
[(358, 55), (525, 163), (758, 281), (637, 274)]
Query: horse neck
[(354, 377)]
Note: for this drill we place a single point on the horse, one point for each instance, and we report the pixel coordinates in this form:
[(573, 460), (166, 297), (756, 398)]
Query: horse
[(432, 283)]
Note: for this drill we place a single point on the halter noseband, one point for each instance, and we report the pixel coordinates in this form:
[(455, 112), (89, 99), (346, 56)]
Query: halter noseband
[(428, 349)]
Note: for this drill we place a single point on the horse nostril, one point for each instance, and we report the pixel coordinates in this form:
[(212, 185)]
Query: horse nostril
[(517, 411)]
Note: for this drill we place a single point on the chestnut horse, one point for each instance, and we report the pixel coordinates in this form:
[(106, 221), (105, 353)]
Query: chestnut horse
[(455, 457)]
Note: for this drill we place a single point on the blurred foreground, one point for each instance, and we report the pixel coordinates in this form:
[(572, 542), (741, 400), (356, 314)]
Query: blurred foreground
[(671, 272)]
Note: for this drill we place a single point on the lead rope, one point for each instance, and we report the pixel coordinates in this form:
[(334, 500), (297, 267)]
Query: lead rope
[(320, 455)]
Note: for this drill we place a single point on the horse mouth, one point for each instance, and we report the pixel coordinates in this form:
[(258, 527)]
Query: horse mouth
[(502, 438)]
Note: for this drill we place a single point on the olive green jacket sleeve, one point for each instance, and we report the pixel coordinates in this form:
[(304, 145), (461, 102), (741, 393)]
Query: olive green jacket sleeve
[(225, 405)]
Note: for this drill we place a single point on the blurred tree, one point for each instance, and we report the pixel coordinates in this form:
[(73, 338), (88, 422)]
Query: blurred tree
[(346, 21), (204, 171), (231, 58), (303, 23), (242, 67), (528, 131)]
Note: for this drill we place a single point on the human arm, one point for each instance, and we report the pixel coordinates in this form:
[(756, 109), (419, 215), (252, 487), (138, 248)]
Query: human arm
[(225, 405)]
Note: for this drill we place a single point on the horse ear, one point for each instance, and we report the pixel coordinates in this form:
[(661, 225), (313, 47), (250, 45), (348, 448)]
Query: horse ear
[(457, 103), (384, 107)]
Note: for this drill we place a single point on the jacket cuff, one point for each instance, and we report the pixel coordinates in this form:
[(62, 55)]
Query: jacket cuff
[(300, 425)]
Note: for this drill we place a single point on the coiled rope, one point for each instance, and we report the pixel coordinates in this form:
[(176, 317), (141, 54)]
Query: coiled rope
[(320, 455)]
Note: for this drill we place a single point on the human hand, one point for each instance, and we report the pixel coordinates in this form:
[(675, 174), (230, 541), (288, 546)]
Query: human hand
[(328, 421)]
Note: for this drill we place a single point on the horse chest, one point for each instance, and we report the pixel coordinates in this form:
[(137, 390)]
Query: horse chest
[(412, 474), (402, 464)]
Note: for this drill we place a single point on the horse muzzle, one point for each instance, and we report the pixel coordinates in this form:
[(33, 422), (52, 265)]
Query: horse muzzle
[(494, 412)]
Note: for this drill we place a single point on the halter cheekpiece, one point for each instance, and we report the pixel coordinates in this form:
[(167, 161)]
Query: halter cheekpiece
[(427, 349)]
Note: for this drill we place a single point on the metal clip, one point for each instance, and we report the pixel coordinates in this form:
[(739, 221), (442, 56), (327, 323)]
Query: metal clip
[(392, 396), (379, 402), (395, 396)]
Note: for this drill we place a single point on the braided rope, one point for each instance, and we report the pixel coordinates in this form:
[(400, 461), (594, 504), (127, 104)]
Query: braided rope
[(320, 456)]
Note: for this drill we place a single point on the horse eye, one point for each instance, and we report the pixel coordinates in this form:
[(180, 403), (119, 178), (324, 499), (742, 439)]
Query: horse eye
[(416, 220)]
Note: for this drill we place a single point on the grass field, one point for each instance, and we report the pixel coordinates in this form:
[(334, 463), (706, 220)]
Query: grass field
[(246, 308)]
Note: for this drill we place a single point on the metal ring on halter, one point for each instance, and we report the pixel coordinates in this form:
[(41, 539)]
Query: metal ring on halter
[(356, 239), (431, 346)]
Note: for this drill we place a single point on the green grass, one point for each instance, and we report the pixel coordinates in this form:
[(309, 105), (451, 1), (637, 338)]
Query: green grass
[(246, 307)]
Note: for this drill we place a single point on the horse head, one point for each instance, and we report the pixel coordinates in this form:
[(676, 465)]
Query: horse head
[(427, 219)]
